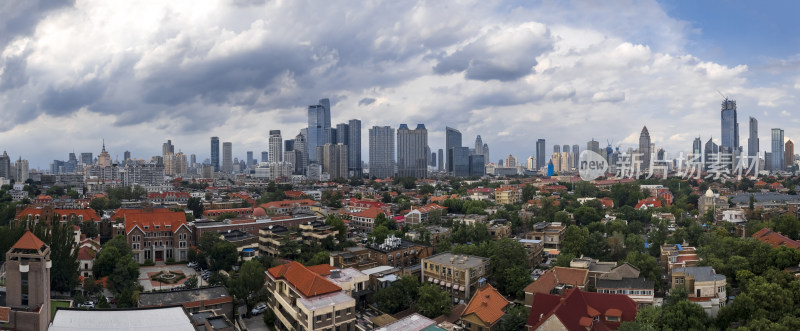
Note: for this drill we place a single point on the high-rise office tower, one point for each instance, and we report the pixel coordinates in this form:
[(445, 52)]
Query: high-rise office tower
[(730, 127), (441, 160), (557, 149), (275, 146), (565, 148), (227, 157), (354, 148), (644, 148), (264, 156), (381, 152), (411, 158), (486, 154), (87, 159), (752, 141), (576, 152), (452, 140), (433, 160), (710, 152), (531, 164), (788, 153), (460, 161), (511, 161), (334, 160), (301, 154), (193, 161), (540, 153), (478, 145), (555, 160), (103, 160), (288, 145), (319, 127), (477, 166), (342, 134), (167, 148), (21, 170), (427, 155), (777, 150), (215, 153), (697, 147), (126, 156), (250, 160), (180, 164), (593, 146)]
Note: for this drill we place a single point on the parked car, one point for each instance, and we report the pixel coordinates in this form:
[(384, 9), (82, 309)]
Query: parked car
[(87, 304), (191, 264), (258, 309)]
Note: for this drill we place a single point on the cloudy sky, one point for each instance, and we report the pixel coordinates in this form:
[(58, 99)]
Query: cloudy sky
[(139, 73)]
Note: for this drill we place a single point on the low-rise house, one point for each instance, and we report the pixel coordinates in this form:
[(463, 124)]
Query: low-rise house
[(556, 281), (421, 215), (86, 256), (157, 234), (775, 239), (364, 220), (703, 286), (382, 276), (458, 275), (288, 207), (648, 203), (353, 257), (246, 244), (535, 250), (193, 300), (471, 219), (594, 266), (677, 256), (352, 281), (399, 253), (505, 195), (580, 311), (484, 310), (625, 280), (499, 228), (303, 300), (551, 234), (270, 239)]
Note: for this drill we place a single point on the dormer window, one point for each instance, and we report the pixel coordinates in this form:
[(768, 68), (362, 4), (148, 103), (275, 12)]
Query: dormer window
[(157, 226), (146, 227)]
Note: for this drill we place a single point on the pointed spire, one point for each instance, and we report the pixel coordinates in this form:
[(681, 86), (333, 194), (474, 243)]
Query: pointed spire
[(104, 145)]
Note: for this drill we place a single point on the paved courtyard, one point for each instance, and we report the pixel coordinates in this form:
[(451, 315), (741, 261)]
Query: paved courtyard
[(149, 285)]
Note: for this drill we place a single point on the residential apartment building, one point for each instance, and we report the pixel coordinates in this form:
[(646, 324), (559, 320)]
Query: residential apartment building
[(677, 256), (421, 215), (303, 300), (625, 280), (499, 228), (459, 275), (399, 253), (507, 195), (535, 250), (353, 257), (364, 220), (551, 234), (703, 285), (270, 239), (315, 231)]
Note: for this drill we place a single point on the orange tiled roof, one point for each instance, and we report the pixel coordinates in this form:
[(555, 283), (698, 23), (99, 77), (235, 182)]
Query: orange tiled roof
[(321, 269), (775, 239), (303, 279), (288, 203), (487, 304), (369, 213), (88, 214), (165, 221), (28, 241), (558, 275)]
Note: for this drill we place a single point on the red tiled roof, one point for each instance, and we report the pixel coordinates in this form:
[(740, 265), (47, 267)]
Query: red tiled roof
[(86, 253), (775, 239), (369, 213), (28, 241), (558, 275), (88, 214), (655, 203), (303, 279), (577, 310), (165, 220), (321, 269), (487, 304), (289, 203)]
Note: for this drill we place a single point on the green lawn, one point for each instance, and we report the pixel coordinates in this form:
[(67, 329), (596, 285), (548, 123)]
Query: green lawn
[(55, 304)]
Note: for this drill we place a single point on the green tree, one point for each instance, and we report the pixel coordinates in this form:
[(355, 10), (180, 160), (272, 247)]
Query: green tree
[(64, 256), (562, 217), (575, 240), (207, 241), (321, 257), (563, 259), (103, 303), (585, 215), (514, 319), (247, 281), (648, 266), (223, 255), (99, 204), (379, 234), (191, 282), (433, 301), (196, 206), (787, 225)]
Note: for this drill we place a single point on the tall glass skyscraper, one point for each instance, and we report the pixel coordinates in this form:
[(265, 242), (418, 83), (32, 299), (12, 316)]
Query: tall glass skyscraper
[(411, 156), (381, 151), (752, 141), (576, 152), (644, 148), (354, 148), (319, 127), (275, 146), (540, 153), (215, 153), (777, 150), (227, 157), (730, 127), (452, 140), (441, 160)]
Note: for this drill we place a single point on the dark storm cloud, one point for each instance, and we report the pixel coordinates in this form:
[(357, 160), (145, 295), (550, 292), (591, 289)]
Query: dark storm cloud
[(366, 101), (62, 101), (14, 73)]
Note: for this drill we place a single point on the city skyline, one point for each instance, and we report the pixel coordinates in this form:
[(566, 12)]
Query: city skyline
[(162, 81)]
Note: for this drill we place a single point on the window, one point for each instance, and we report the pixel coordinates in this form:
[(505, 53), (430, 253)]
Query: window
[(328, 316)]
